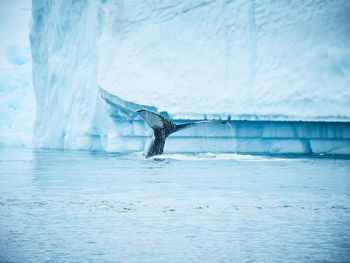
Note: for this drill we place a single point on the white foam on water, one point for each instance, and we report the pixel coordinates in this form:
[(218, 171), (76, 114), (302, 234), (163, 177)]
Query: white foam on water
[(212, 157)]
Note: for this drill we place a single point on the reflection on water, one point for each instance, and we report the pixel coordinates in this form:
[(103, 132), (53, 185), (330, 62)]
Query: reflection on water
[(72, 206)]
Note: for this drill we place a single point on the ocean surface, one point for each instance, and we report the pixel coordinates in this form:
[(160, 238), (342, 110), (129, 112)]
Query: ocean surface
[(78, 206)]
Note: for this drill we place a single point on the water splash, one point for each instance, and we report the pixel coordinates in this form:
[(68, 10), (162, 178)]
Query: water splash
[(210, 157)]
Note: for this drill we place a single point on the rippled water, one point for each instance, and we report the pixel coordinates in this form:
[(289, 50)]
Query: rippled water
[(60, 206)]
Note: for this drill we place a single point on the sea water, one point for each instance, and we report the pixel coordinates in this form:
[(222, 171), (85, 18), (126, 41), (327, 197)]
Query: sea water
[(78, 206)]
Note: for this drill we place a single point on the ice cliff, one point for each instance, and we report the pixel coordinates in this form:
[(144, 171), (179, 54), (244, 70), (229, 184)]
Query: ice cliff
[(17, 102), (63, 39), (266, 60), (263, 58)]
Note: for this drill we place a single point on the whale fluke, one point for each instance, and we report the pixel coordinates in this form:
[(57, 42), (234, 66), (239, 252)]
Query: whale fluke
[(163, 127)]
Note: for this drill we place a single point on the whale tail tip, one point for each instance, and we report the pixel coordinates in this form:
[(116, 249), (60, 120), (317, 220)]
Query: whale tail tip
[(155, 121)]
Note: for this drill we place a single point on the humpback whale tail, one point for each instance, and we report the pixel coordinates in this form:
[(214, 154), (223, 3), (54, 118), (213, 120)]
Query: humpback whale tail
[(163, 127)]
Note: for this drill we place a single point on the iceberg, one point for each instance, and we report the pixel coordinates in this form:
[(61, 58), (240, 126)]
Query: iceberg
[(263, 66), (63, 42), (238, 136), (239, 58), (17, 101)]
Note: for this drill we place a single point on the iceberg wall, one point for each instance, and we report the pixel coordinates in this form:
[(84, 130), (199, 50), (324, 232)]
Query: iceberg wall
[(286, 59), (257, 137), (238, 136), (246, 60), (17, 101), (63, 41)]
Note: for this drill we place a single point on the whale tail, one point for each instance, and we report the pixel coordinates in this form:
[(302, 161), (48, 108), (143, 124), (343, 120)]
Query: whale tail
[(163, 127)]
